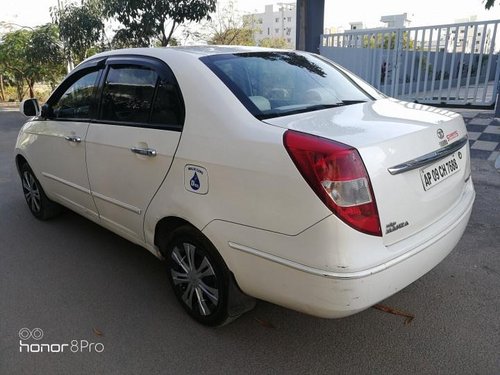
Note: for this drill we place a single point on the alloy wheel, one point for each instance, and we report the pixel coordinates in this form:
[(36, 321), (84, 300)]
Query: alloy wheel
[(194, 278), (31, 192)]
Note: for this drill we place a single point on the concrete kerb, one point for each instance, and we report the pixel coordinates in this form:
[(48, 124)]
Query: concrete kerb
[(9, 106)]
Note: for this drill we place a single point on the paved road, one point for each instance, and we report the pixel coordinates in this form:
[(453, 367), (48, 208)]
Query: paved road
[(75, 280)]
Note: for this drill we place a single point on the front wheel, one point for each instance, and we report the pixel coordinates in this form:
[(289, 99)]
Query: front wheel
[(40, 206), (198, 275)]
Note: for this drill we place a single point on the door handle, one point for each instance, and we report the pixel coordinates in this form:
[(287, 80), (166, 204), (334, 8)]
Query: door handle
[(73, 138), (144, 151)]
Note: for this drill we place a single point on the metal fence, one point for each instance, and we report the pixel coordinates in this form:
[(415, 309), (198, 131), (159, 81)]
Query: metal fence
[(455, 64)]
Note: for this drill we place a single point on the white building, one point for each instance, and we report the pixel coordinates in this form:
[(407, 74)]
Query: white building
[(275, 22), (355, 37), (469, 39), (396, 20), (357, 25)]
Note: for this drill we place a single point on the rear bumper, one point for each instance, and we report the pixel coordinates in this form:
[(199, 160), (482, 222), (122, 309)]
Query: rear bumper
[(337, 292)]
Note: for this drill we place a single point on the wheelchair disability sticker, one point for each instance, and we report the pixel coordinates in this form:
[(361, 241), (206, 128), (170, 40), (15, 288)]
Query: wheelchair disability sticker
[(196, 179)]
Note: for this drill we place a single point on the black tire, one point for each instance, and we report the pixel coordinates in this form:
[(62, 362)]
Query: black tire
[(40, 206), (200, 281)]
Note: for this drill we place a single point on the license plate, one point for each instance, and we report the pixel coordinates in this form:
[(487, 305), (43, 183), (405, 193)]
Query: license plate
[(439, 171)]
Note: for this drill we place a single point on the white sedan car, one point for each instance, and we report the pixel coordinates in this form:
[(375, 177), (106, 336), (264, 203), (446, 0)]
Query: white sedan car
[(254, 173)]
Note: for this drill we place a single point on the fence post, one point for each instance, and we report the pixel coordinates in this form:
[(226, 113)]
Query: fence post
[(497, 83), (497, 106), (395, 70)]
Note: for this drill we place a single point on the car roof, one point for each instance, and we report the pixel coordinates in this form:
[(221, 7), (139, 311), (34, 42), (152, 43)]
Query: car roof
[(207, 50), (195, 51), (176, 53)]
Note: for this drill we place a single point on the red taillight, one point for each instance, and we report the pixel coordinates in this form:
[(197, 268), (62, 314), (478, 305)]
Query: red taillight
[(338, 176)]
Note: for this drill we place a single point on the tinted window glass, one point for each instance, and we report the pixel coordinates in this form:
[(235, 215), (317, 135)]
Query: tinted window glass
[(167, 108), (273, 84), (76, 101), (128, 94)]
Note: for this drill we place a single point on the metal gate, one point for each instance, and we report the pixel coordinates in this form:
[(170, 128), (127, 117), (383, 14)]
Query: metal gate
[(456, 64)]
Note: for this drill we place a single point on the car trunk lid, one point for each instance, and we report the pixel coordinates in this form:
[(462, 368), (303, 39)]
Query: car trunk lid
[(416, 157)]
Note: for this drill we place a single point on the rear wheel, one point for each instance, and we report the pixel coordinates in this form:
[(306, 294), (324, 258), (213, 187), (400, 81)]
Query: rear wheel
[(198, 275), (40, 206)]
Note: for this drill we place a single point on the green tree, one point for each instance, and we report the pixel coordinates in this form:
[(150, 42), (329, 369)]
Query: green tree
[(381, 40), (80, 28), (147, 21), (274, 43), (14, 59), (45, 54), (31, 56), (124, 38), (235, 36), (227, 27), (489, 3)]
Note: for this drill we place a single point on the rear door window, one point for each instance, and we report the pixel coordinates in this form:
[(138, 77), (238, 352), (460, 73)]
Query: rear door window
[(128, 94), (144, 94), (167, 107)]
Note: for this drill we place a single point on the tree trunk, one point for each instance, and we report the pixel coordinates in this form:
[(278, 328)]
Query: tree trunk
[(165, 39), (2, 92), (69, 61), (31, 84), (19, 89)]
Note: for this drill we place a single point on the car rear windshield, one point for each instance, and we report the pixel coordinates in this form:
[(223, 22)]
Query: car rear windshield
[(272, 84)]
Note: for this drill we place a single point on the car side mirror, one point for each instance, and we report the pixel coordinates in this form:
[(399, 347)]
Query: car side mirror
[(30, 107), (47, 111)]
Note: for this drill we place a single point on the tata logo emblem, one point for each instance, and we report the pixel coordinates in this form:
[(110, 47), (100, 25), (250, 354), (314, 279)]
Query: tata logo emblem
[(440, 133)]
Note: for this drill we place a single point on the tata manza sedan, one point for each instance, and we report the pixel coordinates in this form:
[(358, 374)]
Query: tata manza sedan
[(253, 173)]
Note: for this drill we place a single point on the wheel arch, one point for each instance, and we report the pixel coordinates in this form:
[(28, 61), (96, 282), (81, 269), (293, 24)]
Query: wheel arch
[(165, 227), (238, 301), (20, 160)]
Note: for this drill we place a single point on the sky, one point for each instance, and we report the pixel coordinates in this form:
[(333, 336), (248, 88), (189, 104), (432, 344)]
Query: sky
[(338, 13)]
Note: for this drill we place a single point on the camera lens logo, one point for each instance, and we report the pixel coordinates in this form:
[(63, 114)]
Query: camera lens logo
[(26, 333)]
